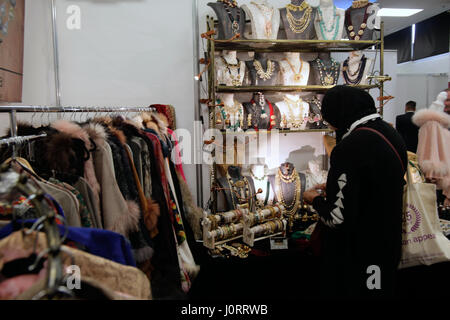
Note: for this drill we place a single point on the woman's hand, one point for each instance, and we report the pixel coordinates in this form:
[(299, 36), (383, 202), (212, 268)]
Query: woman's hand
[(309, 195)]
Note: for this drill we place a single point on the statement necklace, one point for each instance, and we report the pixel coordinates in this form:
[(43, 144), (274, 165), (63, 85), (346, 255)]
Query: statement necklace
[(295, 121), (234, 22), (265, 75), (292, 207), (267, 14), (333, 26), (226, 111), (235, 80), (301, 24), (354, 77), (363, 26), (297, 76), (328, 76), (360, 4)]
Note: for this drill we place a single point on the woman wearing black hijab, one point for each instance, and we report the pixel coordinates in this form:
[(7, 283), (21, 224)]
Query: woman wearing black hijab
[(361, 209)]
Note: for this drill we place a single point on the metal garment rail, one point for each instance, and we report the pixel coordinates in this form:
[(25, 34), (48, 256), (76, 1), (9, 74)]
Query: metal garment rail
[(20, 139), (12, 110)]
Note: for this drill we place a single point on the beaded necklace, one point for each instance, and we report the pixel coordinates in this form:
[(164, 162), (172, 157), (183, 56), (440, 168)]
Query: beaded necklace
[(356, 77), (328, 76), (235, 80), (334, 25), (226, 111), (363, 26), (234, 22)]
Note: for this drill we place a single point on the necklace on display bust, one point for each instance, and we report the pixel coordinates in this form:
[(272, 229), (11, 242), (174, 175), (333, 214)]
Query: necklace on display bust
[(293, 120), (234, 22), (292, 207), (354, 77), (262, 102), (301, 24), (227, 111), (241, 188), (267, 13), (265, 75), (333, 26), (230, 3), (328, 76), (360, 4), (363, 26), (297, 76), (256, 177), (235, 80)]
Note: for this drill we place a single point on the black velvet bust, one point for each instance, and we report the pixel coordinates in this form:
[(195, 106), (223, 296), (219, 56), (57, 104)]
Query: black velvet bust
[(255, 109), (315, 113), (310, 31), (225, 24), (357, 18), (288, 189), (255, 79), (314, 77), (230, 197)]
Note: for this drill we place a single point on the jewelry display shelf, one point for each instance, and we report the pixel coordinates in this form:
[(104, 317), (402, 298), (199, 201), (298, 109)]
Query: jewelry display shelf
[(276, 46), (313, 88), (296, 45), (279, 131)]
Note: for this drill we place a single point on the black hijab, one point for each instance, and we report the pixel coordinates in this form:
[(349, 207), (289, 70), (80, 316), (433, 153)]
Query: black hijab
[(343, 105)]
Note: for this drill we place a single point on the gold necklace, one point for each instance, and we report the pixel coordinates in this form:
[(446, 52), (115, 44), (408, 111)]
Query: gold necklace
[(293, 207), (295, 121), (297, 76), (299, 25), (268, 21), (235, 80), (359, 4), (265, 75)]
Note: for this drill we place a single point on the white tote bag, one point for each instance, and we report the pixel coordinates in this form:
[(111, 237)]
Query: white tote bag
[(423, 242)]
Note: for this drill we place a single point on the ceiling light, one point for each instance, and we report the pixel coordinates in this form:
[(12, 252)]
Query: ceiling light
[(391, 12)]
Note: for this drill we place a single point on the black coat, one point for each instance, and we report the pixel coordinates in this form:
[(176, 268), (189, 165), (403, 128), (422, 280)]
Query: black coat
[(408, 130), (365, 186)]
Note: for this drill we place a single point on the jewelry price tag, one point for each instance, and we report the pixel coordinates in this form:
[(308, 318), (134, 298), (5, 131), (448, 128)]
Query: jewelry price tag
[(278, 243)]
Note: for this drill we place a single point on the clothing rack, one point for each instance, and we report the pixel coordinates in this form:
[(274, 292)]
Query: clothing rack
[(20, 139), (12, 110)]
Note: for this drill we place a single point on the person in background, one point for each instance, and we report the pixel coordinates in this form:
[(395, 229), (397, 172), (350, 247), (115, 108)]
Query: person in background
[(360, 207), (407, 129)]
